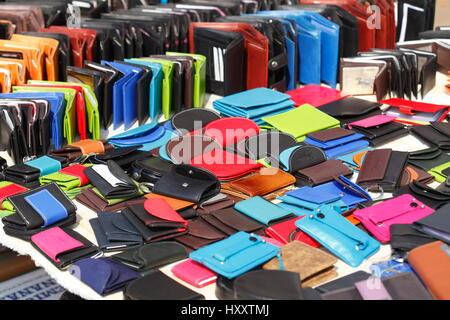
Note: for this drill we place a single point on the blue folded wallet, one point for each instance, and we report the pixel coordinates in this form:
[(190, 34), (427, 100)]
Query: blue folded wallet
[(155, 103), (236, 254), (124, 94), (147, 133), (262, 210), (343, 188), (301, 207), (103, 275), (254, 104), (340, 146), (57, 109), (338, 235)]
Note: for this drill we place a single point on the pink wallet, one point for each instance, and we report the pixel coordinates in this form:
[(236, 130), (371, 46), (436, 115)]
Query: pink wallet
[(404, 209), (372, 121), (55, 241), (194, 273)]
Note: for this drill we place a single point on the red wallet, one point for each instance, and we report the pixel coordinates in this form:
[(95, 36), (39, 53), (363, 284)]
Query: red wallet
[(315, 95), (287, 231), (160, 208)]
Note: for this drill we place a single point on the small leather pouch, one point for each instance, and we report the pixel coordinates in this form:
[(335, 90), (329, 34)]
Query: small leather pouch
[(63, 246), (194, 273), (337, 234), (114, 232), (152, 255), (322, 172), (435, 134), (403, 209), (379, 129), (262, 210), (299, 157), (287, 232), (436, 225), (40, 208), (235, 255), (150, 169), (161, 287), (188, 183), (382, 169), (268, 285), (262, 183), (431, 262), (403, 286), (193, 120), (404, 238), (111, 180), (103, 275), (200, 234), (230, 221), (313, 265), (123, 156)]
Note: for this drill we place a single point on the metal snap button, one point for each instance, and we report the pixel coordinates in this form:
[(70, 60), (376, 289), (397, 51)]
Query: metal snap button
[(253, 239), (185, 185), (321, 215), (413, 204)]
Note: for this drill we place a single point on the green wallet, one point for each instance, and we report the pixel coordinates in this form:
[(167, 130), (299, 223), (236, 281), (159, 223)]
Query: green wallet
[(301, 121), (199, 77), (167, 67), (112, 202), (437, 172), (70, 117), (91, 103), (6, 207)]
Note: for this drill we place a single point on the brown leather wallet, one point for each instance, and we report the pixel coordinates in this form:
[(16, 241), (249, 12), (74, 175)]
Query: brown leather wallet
[(431, 262), (262, 183), (230, 221), (411, 174), (176, 204), (200, 234), (323, 172), (330, 134), (83, 147), (314, 265), (91, 200)]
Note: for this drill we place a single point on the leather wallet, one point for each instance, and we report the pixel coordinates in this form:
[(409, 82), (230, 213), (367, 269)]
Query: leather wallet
[(103, 275), (194, 273), (378, 218), (188, 183), (382, 169), (313, 265), (314, 95), (235, 255), (431, 263), (152, 255), (139, 136), (425, 194), (114, 232), (340, 236), (82, 148), (200, 234), (30, 52), (167, 288), (351, 109), (323, 172), (182, 149), (91, 198), (426, 159), (287, 232), (298, 157), (150, 169), (435, 134), (70, 179), (301, 121), (266, 181), (221, 201), (435, 225), (413, 112), (111, 180), (379, 129), (403, 286), (404, 238), (262, 210), (63, 247), (268, 285)]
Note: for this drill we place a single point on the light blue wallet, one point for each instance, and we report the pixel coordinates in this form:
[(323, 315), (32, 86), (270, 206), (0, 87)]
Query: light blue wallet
[(261, 210), (236, 254), (340, 146), (340, 236), (147, 133)]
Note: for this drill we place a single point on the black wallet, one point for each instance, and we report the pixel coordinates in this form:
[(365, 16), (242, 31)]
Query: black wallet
[(429, 196), (150, 169), (437, 224), (404, 238), (435, 134), (351, 109), (429, 158)]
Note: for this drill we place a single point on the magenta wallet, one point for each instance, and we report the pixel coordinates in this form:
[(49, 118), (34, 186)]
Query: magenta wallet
[(194, 273)]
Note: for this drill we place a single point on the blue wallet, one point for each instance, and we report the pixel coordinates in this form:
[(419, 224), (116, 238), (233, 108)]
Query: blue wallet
[(103, 275), (261, 210), (349, 193), (124, 94), (57, 109), (304, 207), (138, 136), (236, 254), (348, 158), (338, 235), (48, 207), (340, 146), (155, 103), (158, 143), (45, 164)]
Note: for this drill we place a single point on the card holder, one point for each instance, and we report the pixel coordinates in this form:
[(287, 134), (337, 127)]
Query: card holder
[(194, 273), (200, 233), (323, 172), (262, 210)]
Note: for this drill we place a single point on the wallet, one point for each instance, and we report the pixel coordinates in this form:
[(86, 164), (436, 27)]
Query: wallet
[(235, 255), (399, 210), (70, 179), (161, 287), (63, 247), (82, 148), (103, 275), (194, 273), (343, 282), (431, 263), (435, 134), (262, 210), (323, 172), (435, 225), (287, 232), (337, 234), (151, 255), (413, 112), (313, 265), (111, 180), (314, 95), (429, 158), (425, 194), (404, 238), (114, 232), (200, 233), (266, 181), (139, 136), (402, 286)]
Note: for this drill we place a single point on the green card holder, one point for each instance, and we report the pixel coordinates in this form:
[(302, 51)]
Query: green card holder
[(70, 117), (199, 94)]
